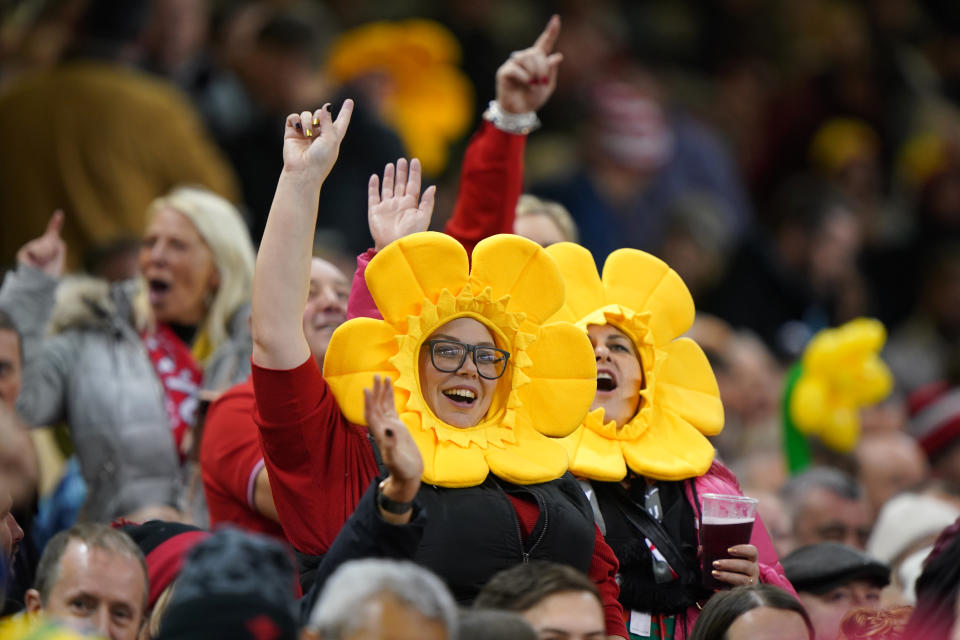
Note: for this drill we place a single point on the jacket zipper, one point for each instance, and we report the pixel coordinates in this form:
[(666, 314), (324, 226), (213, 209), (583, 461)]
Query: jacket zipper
[(543, 532)]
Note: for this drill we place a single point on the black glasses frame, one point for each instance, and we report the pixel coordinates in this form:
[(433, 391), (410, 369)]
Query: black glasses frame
[(471, 349)]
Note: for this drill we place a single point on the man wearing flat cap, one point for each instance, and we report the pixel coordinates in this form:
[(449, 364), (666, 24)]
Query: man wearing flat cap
[(832, 579)]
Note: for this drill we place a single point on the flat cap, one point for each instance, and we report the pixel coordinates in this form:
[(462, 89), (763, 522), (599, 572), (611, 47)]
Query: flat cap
[(818, 568)]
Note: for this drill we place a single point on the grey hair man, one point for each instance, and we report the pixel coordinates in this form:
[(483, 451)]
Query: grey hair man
[(378, 599), (827, 505), (92, 578)]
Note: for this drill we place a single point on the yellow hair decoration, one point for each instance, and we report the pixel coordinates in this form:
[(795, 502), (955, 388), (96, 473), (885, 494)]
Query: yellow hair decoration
[(841, 372), (423, 281), (680, 402)]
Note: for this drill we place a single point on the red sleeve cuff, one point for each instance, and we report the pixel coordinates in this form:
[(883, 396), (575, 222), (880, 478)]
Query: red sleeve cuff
[(288, 395)]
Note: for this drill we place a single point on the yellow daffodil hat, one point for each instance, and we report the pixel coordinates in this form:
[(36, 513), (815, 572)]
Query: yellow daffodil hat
[(425, 280), (680, 402)]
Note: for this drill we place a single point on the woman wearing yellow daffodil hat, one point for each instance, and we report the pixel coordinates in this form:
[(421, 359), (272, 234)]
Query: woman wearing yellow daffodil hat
[(642, 450), (480, 379)]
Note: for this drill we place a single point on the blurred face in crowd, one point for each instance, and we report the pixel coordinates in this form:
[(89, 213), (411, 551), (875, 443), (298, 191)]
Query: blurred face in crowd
[(179, 269), (10, 532), (828, 609), (10, 367), (538, 227), (326, 307), (825, 516), (384, 618), (768, 623), (460, 398), (889, 463), (568, 615), (95, 590), (619, 374)]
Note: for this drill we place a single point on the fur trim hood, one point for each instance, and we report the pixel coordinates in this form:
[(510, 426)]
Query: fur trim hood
[(85, 303)]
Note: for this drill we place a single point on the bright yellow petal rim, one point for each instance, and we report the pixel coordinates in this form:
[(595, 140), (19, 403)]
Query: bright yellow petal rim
[(842, 372), (680, 402), (423, 281)]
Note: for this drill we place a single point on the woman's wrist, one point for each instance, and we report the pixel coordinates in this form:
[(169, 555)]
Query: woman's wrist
[(396, 495)]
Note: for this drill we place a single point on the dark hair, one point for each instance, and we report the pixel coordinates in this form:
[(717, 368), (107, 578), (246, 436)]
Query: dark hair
[(723, 609), (7, 324), (937, 589), (99, 536), (493, 624), (833, 480), (523, 586)]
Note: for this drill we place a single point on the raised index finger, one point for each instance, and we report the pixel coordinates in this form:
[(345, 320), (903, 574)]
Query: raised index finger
[(547, 39), (55, 225)]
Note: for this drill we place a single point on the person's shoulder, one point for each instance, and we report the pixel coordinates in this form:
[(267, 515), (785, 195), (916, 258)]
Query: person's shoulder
[(718, 479)]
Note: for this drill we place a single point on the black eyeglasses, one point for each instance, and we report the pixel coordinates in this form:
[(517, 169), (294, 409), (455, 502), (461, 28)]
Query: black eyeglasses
[(449, 355)]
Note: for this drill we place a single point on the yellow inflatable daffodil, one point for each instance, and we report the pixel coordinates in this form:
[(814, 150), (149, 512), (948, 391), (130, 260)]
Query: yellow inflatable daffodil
[(680, 402), (841, 372), (424, 281), (428, 99)]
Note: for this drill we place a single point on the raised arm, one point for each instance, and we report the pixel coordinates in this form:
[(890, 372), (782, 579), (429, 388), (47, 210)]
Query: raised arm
[(311, 143), (491, 179)]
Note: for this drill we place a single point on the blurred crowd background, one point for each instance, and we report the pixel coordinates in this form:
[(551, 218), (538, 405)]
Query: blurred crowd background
[(797, 162)]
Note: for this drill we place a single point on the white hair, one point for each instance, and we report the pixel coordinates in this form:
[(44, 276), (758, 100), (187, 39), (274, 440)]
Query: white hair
[(222, 228), (335, 615)]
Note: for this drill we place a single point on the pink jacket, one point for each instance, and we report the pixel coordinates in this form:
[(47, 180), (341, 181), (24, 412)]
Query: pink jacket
[(719, 479)]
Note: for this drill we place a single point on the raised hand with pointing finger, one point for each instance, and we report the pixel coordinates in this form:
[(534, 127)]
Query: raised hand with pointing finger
[(48, 252), (311, 141), (527, 79)]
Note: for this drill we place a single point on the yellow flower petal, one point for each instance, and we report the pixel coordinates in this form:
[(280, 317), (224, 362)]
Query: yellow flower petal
[(535, 459), (686, 385), (672, 451), (516, 267), (445, 463), (562, 379), (406, 272), (808, 403), (359, 350), (642, 282), (583, 286), (456, 466), (593, 456)]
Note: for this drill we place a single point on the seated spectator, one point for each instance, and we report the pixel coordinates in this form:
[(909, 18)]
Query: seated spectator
[(888, 463), (937, 589), (383, 600), (903, 537), (92, 578), (124, 363), (234, 476), (833, 579), (557, 600), (490, 624), (826, 504), (543, 221), (753, 612), (11, 361), (165, 546), (233, 586), (935, 423)]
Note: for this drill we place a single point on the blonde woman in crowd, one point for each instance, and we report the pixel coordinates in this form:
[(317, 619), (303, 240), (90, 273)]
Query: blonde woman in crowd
[(123, 364)]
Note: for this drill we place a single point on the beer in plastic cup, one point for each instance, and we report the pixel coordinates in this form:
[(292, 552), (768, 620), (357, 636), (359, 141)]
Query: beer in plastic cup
[(726, 521)]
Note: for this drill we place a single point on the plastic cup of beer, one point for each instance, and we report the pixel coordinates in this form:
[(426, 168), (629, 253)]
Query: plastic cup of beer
[(726, 521)]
